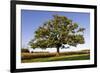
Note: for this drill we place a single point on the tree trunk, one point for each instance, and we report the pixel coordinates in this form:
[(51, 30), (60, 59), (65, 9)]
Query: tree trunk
[(58, 50)]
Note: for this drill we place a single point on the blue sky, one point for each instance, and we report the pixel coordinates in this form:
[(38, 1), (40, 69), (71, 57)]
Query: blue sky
[(32, 19)]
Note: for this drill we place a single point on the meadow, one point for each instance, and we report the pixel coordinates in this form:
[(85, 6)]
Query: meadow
[(27, 57)]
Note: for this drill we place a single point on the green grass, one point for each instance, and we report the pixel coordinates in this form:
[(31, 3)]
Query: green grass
[(59, 58)]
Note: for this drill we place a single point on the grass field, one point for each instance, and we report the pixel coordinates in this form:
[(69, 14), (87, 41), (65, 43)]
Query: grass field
[(47, 57)]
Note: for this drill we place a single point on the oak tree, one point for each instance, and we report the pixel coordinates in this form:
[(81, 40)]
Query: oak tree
[(57, 32)]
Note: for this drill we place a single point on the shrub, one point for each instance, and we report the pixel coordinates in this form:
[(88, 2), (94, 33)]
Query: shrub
[(24, 51)]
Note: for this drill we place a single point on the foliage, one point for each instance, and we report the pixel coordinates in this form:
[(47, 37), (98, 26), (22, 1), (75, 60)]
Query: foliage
[(57, 31), (23, 50)]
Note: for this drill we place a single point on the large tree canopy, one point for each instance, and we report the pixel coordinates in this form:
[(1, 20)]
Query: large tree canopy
[(57, 31)]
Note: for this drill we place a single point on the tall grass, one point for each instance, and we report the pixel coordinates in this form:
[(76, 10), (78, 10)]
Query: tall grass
[(46, 54)]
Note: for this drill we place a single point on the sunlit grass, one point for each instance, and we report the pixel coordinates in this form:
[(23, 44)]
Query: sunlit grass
[(59, 58)]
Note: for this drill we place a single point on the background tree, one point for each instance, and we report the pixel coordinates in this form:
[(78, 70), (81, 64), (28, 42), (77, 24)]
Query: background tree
[(57, 32)]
